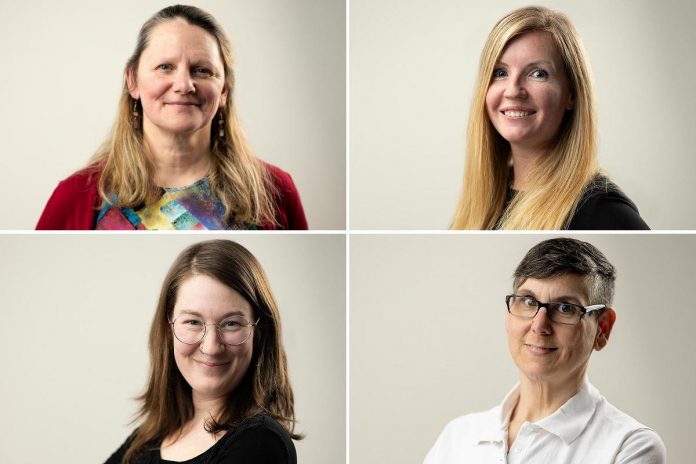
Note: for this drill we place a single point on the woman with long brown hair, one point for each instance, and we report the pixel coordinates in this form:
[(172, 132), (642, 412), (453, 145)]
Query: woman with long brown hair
[(177, 157), (218, 388), (532, 139)]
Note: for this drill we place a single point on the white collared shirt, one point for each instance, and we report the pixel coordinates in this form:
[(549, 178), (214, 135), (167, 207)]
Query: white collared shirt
[(586, 429)]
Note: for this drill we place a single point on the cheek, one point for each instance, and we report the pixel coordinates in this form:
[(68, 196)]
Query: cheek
[(492, 99)]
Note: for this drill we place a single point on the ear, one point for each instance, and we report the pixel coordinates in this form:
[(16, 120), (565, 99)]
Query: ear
[(131, 83), (223, 96), (605, 322), (571, 102)]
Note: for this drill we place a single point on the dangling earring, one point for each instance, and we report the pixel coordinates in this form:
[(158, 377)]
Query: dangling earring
[(221, 126), (136, 125)]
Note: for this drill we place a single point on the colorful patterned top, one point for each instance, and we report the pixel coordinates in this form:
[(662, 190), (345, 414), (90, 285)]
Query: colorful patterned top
[(180, 208)]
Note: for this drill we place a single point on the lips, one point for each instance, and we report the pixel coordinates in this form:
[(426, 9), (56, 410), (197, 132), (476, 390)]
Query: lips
[(540, 350), (517, 112), (181, 103), (212, 364)]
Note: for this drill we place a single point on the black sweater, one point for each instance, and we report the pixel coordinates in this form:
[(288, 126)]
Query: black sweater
[(258, 440)]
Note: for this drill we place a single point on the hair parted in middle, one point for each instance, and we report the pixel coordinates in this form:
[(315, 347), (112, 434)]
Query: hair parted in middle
[(265, 388), (237, 177), (560, 256), (557, 180)]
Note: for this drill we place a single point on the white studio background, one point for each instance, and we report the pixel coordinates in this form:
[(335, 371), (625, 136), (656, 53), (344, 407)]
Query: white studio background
[(412, 70), (76, 314), (428, 342), (63, 74)]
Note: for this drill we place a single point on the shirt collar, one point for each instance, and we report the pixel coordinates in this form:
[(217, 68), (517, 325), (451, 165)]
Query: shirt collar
[(571, 418), (567, 422)]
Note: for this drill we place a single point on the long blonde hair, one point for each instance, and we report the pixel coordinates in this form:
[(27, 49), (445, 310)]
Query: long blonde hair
[(166, 404), (557, 180), (237, 177)]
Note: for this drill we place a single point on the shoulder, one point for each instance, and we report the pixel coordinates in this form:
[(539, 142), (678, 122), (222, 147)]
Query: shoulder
[(642, 446), (73, 202), (289, 210), (604, 206), (259, 440), (462, 433), (639, 443)]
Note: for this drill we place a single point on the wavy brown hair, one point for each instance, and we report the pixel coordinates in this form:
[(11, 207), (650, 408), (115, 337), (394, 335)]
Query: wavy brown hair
[(558, 179), (265, 388), (237, 177)]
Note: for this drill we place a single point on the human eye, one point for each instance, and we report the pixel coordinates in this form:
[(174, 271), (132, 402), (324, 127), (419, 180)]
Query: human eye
[(565, 308), (164, 67), (191, 322), (499, 73), (202, 70), (529, 302), (230, 324), (539, 74)]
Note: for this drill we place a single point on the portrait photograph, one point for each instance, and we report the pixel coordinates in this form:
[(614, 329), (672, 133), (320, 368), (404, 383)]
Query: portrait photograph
[(521, 115), (119, 344), (434, 349), (210, 115)]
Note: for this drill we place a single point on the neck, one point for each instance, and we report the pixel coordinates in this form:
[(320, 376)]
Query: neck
[(205, 407), (178, 159), (540, 398), (522, 161)]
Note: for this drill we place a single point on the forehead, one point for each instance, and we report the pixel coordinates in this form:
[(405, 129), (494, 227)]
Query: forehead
[(567, 285), (210, 298), (176, 38), (531, 47)]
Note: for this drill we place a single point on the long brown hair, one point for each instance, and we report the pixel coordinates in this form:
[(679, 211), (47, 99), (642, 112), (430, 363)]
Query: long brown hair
[(556, 180), (265, 388), (237, 177)]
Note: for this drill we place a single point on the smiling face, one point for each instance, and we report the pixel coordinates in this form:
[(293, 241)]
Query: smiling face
[(547, 351), (211, 368), (180, 79), (529, 92)]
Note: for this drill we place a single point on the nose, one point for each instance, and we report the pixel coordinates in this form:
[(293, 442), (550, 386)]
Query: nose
[(183, 83), (541, 324), (211, 343), (514, 88)]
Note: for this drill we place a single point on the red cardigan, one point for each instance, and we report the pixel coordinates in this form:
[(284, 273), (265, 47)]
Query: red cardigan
[(74, 204)]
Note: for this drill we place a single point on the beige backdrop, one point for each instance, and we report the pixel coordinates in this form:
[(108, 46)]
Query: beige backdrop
[(428, 344), (76, 311), (63, 75), (412, 70)]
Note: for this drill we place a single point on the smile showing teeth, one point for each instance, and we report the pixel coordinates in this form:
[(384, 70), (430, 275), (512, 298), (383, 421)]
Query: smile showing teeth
[(517, 114)]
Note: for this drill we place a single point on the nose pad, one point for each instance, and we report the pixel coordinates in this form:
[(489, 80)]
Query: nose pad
[(541, 322), (211, 343)]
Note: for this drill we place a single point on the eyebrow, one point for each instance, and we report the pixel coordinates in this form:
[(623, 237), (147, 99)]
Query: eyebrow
[(237, 312), (533, 63), (558, 299)]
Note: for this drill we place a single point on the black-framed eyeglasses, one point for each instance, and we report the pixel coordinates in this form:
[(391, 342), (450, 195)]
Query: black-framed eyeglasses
[(191, 329), (558, 311)]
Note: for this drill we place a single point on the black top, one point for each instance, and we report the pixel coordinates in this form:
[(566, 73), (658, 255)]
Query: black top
[(257, 440), (603, 206)]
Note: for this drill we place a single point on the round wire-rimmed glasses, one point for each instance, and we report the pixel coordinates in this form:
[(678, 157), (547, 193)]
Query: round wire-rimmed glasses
[(191, 329), (558, 311)]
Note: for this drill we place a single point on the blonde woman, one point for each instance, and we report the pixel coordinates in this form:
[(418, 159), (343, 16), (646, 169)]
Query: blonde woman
[(532, 136), (177, 157)]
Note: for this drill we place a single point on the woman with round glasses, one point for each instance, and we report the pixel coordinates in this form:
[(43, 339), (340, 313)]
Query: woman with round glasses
[(177, 158), (558, 314), (218, 388), (531, 158)]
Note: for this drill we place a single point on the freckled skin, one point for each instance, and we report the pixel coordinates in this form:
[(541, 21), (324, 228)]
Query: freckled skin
[(182, 62), (529, 75), (212, 299)]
